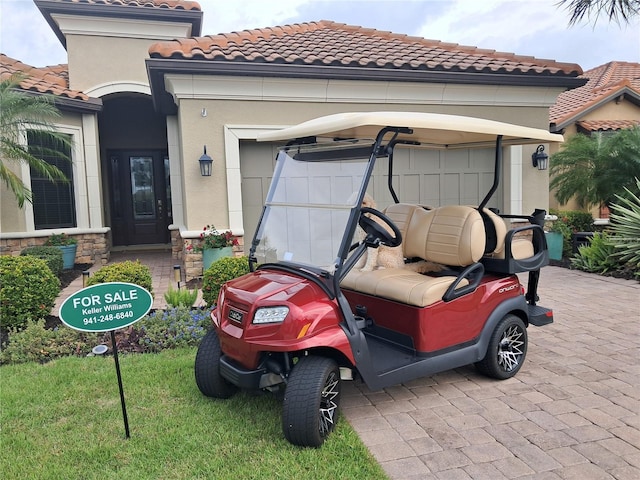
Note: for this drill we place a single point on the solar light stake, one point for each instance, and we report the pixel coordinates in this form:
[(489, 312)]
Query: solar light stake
[(177, 275), (85, 277)]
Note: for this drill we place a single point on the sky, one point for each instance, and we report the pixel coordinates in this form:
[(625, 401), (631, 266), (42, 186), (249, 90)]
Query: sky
[(536, 28)]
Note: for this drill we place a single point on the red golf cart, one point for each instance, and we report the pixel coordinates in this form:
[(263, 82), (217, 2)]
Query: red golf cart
[(307, 318)]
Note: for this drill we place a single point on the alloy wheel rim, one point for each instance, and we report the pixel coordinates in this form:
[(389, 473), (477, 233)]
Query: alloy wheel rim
[(510, 350), (328, 405)]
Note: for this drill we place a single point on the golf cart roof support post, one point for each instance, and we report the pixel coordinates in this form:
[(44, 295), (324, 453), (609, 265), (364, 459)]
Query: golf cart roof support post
[(343, 266), (496, 173), (390, 173), (390, 152)]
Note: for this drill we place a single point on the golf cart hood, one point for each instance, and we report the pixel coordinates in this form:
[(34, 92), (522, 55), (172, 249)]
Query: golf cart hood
[(431, 129)]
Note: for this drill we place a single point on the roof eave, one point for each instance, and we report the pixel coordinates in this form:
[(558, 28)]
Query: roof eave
[(576, 115), (69, 104), (73, 105), (158, 67), (50, 7)]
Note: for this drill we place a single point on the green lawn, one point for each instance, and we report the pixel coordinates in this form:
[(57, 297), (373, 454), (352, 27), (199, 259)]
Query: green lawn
[(63, 420)]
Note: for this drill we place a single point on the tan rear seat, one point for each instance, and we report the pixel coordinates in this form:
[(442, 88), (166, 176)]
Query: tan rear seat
[(451, 235), (521, 247)]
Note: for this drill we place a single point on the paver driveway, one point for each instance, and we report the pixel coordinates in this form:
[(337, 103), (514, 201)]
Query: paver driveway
[(572, 412)]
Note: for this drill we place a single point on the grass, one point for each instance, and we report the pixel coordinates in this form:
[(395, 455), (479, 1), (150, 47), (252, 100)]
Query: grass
[(63, 419)]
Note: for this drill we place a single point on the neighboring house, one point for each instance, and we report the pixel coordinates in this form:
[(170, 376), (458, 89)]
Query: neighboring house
[(155, 93), (609, 101)]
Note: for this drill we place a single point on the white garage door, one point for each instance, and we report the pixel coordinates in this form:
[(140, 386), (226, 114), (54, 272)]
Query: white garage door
[(424, 177)]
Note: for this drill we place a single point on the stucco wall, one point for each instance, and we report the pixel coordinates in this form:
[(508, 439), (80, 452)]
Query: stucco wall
[(205, 198), (96, 61)]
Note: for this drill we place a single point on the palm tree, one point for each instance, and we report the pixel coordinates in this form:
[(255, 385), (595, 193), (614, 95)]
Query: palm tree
[(594, 169), (22, 112), (616, 10)]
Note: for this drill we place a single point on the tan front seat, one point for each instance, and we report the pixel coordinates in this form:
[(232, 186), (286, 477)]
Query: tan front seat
[(450, 235)]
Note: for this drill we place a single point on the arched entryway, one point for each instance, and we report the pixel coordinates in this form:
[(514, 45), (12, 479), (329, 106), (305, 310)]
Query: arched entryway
[(135, 170)]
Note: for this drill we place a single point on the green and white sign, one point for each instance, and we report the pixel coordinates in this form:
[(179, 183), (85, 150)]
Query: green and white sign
[(106, 307)]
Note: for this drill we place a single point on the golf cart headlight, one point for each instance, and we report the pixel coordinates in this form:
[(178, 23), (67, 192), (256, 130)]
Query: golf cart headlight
[(270, 315)]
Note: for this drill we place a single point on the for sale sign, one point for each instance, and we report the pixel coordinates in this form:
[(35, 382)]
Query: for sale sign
[(106, 307)]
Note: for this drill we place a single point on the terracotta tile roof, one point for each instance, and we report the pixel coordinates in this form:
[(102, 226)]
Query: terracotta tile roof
[(603, 83), (327, 43), (170, 4), (52, 80), (606, 125)]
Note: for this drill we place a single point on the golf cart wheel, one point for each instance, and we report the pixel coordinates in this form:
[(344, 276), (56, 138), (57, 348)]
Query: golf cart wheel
[(507, 349), (207, 368), (311, 400)]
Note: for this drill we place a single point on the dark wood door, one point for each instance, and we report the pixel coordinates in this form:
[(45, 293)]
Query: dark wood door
[(140, 197)]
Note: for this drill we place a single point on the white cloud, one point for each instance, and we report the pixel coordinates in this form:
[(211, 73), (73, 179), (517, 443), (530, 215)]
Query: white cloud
[(229, 16), (26, 36), (535, 28)]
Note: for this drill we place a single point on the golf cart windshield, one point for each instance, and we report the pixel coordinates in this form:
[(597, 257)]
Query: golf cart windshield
[(313, 192)]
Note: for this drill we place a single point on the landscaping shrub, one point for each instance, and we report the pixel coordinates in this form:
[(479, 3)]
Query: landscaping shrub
[(28, 290), (568, 223), (598, 256), (218, 273), (180, 297), (51, 255), (172, 328), (35, 343), (160, 330), (127, 271), (578, 221)]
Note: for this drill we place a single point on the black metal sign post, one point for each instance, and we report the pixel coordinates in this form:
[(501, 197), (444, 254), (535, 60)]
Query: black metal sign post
[(122, 402)]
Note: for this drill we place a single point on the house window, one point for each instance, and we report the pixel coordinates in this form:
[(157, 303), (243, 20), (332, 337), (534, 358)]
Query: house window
[(53, 202)]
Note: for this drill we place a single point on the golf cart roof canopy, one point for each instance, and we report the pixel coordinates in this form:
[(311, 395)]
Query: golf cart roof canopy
[(435, 130)]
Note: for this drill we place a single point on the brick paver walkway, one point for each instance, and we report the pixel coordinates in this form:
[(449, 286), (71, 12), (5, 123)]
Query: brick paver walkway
[(572, 412)]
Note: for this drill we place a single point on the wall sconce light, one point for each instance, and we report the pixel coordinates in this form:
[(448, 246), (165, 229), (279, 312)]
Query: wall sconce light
[(540, 159), (205, 163)]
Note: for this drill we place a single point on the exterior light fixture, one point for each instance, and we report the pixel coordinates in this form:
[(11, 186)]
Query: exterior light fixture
[(540, 159), (177, 274), (85, 277), (205, 164)]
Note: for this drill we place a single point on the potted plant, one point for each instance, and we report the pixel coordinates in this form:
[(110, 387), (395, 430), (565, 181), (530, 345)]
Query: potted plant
[(555, 235), (68, 245), (215, 245)]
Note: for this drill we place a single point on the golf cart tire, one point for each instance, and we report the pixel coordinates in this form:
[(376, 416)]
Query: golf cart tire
[(311, 401), (207, 368), (507, 349)]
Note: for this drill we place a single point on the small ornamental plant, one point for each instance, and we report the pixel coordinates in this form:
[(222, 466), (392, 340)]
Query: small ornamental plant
[(212, 238), (60, 240)]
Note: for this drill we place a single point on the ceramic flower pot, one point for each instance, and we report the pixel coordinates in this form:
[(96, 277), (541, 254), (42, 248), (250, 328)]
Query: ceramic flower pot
[(68, 255), (210, 255), (554, 244)]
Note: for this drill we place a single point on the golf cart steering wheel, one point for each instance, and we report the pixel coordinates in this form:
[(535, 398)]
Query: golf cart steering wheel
[(377, 231)]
